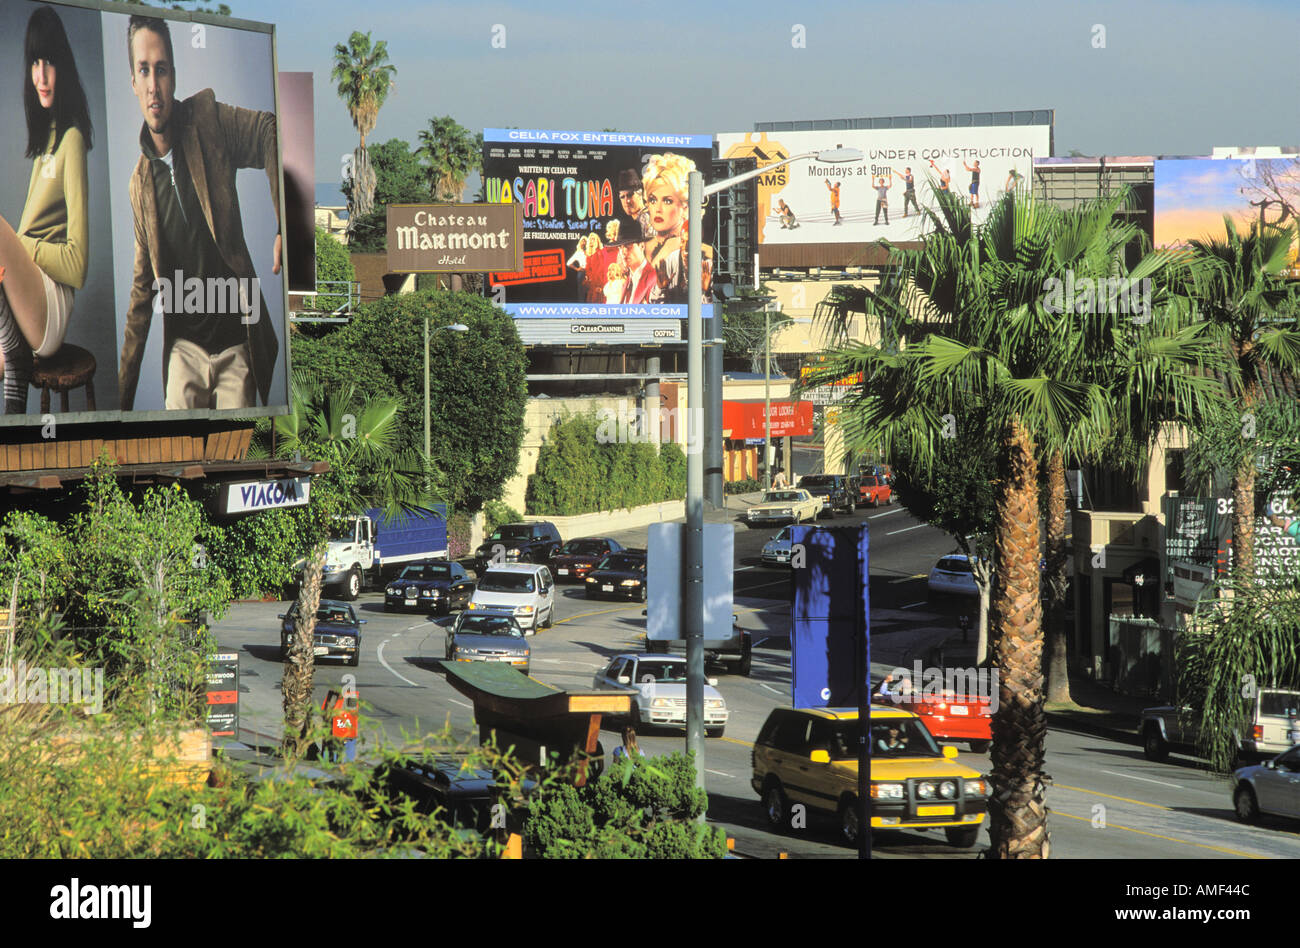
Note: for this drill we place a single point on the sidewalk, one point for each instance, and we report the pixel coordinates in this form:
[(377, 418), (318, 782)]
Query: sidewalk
[(1094, 708)]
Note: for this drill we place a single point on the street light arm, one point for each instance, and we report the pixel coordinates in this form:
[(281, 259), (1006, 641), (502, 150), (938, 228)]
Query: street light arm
[(722, 185)]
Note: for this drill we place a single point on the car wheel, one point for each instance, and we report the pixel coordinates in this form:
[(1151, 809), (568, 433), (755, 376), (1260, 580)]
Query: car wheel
[(979, 747), (284, 654), (746, 660), (355, 659), (352, 585), (775, 804), (849, 821), (963, 837), (643, 592), (714, 731), (550, 618), (853, 508), (1153, 745), (1245, 804)]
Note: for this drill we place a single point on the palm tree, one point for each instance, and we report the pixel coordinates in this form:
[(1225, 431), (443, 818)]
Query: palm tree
[(983, 344), (1241, 293), (364, 77), (450, 154), (356, 438)]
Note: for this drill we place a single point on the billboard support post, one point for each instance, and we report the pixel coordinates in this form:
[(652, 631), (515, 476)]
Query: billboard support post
[(693, 581)]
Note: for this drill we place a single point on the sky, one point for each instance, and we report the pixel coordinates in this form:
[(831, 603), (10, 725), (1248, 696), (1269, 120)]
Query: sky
[(1160, 77)]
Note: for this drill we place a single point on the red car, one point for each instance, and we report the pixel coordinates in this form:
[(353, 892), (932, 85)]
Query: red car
[(947, 716), (874, 489), (575, 559)]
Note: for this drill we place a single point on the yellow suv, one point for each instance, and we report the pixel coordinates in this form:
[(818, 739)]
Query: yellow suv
[(809, 756)]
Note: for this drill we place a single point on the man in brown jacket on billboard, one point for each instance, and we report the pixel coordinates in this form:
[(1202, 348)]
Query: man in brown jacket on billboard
[(192, 265)]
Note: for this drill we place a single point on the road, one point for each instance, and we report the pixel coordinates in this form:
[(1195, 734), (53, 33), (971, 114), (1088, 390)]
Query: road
[(1107, 800)]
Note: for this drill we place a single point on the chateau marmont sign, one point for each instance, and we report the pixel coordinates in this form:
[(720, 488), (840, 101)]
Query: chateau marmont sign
[(455, 238)]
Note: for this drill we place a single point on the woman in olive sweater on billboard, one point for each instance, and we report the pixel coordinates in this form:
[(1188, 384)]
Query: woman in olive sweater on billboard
[(45, 259)]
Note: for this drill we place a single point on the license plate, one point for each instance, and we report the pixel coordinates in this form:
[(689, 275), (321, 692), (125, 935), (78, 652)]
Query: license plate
[(608, 589), (949, 810), (959, 709), (410, 602), (320, 650), (563, 572)]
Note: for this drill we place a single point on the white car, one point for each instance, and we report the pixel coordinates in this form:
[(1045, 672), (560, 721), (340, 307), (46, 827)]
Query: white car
[(1271, 787), (952, 575), (524, 591), (660, 685)]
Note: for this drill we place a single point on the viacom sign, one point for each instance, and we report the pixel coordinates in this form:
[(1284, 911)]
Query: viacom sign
[(252, 496)]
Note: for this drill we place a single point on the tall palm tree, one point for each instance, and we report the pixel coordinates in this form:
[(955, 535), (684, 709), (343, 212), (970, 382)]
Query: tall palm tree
[(356, 437), (450, 153), (364, 77), (982, 343), (1240, 291)]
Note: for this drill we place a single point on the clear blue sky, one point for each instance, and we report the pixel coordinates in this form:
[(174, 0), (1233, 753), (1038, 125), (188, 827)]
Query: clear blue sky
[(1175, 76)]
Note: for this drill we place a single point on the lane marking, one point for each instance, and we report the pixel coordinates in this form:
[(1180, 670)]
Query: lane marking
[(1172, 839), (905, 529), (735, 740), (886, 513), (461, 703), (771, 688), (913, 605), (599, 612), (1111, 796), (718, 773), (1146, 779), (380, 653), (741, 569), (906, 579)]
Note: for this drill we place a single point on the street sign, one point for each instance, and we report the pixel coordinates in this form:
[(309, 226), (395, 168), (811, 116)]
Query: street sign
[(223, 694), (665, 552)]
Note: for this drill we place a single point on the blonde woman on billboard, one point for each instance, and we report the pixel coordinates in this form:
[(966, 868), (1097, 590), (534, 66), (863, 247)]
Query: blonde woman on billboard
[(45, 260), (664, 181)]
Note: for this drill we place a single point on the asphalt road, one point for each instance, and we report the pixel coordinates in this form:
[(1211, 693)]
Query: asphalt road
[(1147, 810)]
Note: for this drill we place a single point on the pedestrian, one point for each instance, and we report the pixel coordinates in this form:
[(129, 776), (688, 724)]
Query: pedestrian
[(629, 747), (341, 718), (780, 482)]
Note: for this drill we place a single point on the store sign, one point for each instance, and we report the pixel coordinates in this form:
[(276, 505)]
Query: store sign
[(267, 495), (745, 419)]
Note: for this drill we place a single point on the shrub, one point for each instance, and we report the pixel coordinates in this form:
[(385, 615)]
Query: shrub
[(743, 487), (496, 512)]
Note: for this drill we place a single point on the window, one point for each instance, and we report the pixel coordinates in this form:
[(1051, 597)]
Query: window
[(792, 734), (494, 581)]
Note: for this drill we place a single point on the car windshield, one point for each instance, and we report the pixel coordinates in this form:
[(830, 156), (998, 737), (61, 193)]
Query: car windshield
[(1280, 704), (660, 671), (950, 564), (343, 530), (899, 737), (584, 547), (518, 532), (624, 563), (780, 497), (335, 614), (504, 582), (783, 535), (489, 625), (870, 481), (427, 571)]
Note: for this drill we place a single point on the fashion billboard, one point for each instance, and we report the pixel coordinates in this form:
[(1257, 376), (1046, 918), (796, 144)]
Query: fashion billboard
[(144, 186), (882, 195), (605, 222), (1193, 195)]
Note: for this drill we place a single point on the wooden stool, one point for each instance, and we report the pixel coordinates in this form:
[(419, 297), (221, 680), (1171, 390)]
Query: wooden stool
[(71, 367)]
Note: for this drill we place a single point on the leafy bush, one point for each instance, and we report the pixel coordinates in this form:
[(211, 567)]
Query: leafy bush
[(639, 808), (579, 471), (742, 487), (258, 552), (496, 512), (458, 530)]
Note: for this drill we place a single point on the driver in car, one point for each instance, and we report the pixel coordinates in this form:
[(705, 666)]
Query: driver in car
[(893, 743)]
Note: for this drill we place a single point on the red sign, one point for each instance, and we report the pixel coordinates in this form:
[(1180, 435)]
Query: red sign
[(540, 266), (745, 419)]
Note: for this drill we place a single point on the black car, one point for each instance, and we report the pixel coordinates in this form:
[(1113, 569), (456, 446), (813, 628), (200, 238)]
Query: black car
[(337, 633), (837, 491), (438, 587), (518, 543), (577, 558), (463, 795), (619, 576)]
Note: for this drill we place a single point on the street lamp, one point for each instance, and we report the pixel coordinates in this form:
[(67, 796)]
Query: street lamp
[(693, 586), (454, 327)]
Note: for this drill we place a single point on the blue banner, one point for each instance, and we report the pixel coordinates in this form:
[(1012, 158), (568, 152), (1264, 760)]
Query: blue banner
[(829, 622)]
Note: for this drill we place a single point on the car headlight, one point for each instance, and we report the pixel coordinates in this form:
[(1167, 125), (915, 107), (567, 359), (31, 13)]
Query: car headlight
[(948, 790), (715, 703), (435, 593), (348, 641), (592, 579), (886, 791), (512, 552), (926, 791), (977, 788), (661, 703), (523, 610), (394, 591), (630, 582), (787, 513), (476, 605)]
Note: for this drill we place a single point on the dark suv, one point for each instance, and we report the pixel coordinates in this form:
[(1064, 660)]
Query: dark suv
[(518, 543), (837, 491)]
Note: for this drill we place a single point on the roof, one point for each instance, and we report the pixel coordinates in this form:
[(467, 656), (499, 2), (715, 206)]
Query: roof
[(526, 568), (657, 656)]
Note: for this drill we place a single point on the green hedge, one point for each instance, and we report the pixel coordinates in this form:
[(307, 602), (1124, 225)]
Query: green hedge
[(579, 470)]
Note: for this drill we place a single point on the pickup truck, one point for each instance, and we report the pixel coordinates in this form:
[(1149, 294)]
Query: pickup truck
[(735, 651), (365, 549), (1273, 713)]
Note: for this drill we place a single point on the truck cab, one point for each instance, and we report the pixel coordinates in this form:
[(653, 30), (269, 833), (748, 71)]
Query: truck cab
[(363, 545)]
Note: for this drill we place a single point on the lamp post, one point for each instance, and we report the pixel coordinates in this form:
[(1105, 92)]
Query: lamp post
[(428, 450), (693, 567)]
